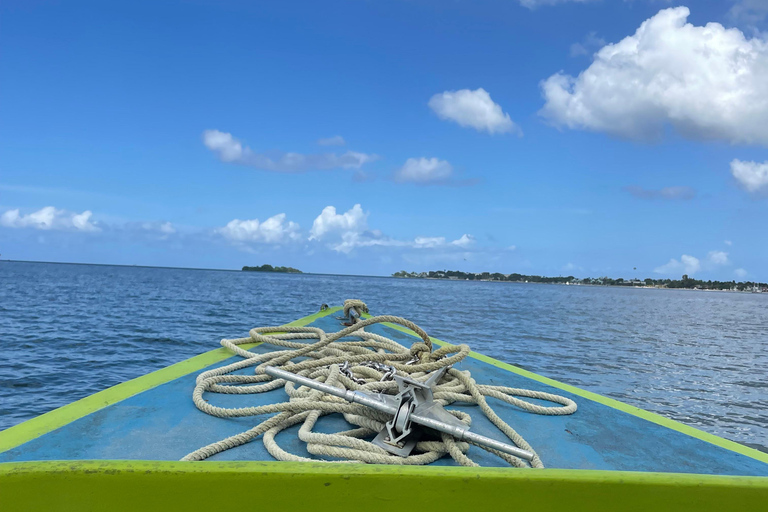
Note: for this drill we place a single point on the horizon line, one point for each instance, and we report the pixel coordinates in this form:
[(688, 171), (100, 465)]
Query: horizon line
[(391, 276), (183, 268)]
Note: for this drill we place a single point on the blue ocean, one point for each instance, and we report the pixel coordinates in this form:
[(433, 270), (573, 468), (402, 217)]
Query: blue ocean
[(67, 331)]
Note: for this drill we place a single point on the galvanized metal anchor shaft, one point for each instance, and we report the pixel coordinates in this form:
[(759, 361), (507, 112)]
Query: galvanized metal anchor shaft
[(413, 404)]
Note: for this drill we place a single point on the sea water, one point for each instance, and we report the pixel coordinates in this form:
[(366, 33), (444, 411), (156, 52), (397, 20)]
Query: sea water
[(701, 358)]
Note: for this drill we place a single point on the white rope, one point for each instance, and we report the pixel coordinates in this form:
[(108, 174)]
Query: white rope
[(359, 306), (320, 359)]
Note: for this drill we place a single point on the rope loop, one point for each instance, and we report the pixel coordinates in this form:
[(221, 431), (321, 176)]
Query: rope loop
[(366, 363)]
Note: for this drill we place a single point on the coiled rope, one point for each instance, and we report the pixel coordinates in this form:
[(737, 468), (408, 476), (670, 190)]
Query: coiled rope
[(355, 365)]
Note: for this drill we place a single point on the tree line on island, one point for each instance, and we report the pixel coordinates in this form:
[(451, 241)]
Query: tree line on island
[(684, 282), (270, 268)]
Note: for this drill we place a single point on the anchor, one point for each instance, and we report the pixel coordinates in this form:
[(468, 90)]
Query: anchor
[(413, 407)]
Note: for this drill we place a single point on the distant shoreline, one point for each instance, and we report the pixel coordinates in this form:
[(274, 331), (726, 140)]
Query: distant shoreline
[(567, 284), (270, 268), (684, 283), (239, 271)]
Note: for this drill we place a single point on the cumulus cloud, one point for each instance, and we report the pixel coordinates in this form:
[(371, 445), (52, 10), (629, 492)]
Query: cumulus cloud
[(231, 150), (336, 140), (707, 82), (54, 219), (753, 176), (347, 231), (474, 109), (49, 218), (740, 273), (354, 220), (687, 265), (274, 230), (586, 47), (464, 241), (728, 242), (683, 193), (690, 264), (424, 171)]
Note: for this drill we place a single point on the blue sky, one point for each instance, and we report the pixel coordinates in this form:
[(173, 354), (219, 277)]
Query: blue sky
[(547, 137)]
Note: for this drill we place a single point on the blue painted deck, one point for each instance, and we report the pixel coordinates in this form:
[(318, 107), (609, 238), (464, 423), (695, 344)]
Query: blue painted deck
[(163, 424)]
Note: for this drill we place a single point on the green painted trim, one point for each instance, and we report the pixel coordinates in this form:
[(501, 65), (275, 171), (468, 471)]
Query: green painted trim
[(610, 402), (192, 486), (208, 467), (36, 427)]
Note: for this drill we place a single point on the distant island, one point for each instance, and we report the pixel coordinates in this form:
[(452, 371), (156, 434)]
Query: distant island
[(685, 282), (270, 268)]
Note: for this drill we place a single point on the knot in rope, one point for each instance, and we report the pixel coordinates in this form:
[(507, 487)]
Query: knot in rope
[(359, 306), (421, 353)]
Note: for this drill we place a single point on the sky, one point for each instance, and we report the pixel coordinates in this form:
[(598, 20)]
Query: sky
[(550, 137)]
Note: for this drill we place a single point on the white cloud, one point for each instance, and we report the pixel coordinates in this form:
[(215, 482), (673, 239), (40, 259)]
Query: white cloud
[(687, 265), (82, 221), (350, 241), (53, 219), (231, 150), (347, 231), (474, 109), (683, 193), (274, 230), (353, 221), (590, 43), (464, 241), (718, 257), (708, 82), (740, 272), (690, 264), (336, 140), (728, 242), (428, 242), (753, 176), (49, 218), (424, 171), (227, 147)]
